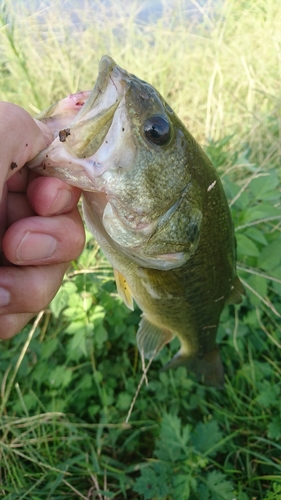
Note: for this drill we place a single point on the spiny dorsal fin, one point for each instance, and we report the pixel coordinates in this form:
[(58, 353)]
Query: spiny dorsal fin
[(123, 289), (235, 296), (151, 338)]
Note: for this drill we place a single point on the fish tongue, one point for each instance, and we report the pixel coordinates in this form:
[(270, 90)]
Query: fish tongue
[(63, 112)]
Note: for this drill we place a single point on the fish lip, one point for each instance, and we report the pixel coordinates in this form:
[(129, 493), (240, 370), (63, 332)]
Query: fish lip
[(105, 69), (108, 72)]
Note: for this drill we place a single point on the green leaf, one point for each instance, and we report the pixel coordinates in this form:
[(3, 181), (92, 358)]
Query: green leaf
[(154, 482), (259, 284), (276, 273), (275, 494), (87, 300), (75, 312), (245, 246), (173, 439), (28, 402), (76, 326), (274, 428), (232, 190), (182, 485), (269, 394), (216, 488), (86, 382), (100, 336), (48, 347), (270, 256), (78, 341), (76, 301), (206, 436), (256, 235), (261, 185), (60, 376), (61, 300), (124, 401), (261, 211), (98, 314)]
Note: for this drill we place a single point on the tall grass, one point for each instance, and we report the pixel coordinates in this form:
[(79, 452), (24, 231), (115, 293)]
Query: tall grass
[(221, 69), (67, 385)]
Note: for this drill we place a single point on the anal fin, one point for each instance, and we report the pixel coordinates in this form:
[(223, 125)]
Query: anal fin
[(151, 338), (124, 289)]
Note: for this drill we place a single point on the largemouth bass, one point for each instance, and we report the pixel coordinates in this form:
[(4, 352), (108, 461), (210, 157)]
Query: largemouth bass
[(156, 206)]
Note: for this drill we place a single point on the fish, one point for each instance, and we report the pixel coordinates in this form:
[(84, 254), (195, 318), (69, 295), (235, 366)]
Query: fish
[(155, 204)]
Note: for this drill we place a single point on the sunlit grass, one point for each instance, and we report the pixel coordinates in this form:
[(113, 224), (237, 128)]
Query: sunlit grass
[(221, 74)]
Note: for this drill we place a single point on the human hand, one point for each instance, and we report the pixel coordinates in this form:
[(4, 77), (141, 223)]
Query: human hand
[(40, 226)]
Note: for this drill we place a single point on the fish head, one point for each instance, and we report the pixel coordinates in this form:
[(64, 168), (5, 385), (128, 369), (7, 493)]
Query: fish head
[(128, 151)]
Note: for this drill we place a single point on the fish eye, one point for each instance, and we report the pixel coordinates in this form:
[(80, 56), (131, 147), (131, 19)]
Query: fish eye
[(157, 130)]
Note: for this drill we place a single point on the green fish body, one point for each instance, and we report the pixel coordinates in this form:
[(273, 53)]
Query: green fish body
[(155, 204)]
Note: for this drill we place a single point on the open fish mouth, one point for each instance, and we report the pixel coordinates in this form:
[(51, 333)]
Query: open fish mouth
[(110, 86), (86, 147)]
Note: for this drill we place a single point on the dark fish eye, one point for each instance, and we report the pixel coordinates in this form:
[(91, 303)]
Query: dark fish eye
[(157, 130)]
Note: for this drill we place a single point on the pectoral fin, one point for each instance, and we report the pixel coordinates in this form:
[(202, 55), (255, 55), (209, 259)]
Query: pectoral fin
[(124, 290), (208, 369), (235, 296), (151, 339)]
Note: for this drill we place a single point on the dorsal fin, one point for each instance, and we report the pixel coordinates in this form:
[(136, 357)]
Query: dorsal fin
[(151, 338), (235, 296), (124, 289)]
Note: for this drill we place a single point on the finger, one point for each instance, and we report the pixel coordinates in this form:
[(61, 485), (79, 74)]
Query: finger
[(28, 289), (3, 214), (11, 324), (24, 139), (44, 240), (18, 182), (45, 196), (49, 196), (18, 208)]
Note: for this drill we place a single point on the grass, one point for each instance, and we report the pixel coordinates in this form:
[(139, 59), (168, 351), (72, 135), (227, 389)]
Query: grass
[(68, 382)]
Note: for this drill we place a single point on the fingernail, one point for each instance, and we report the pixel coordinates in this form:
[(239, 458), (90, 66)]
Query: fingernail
[(36, 246), (62, 201), (5, 297)]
